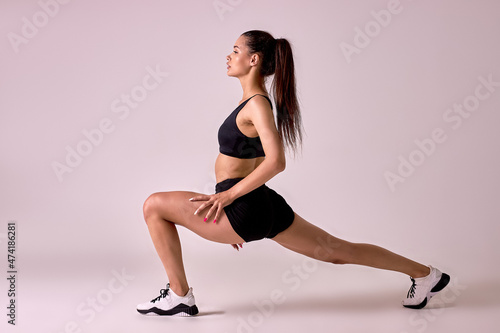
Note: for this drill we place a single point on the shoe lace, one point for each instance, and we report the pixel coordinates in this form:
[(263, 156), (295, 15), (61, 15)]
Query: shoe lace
[(411, 292), (163, 294)]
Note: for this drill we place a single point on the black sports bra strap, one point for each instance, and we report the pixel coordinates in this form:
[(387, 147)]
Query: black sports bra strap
[(268, 99)]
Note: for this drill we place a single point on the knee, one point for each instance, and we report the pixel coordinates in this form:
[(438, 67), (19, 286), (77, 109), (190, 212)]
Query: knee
[(341, 254), (150, 206), (346, 255), (338, 261)]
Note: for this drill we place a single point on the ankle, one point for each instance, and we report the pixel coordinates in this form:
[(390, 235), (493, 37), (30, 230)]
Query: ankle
[(180, 291), (422, 272)]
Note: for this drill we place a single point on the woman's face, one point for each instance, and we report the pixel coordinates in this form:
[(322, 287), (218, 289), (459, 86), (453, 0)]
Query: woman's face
[(239, 60)]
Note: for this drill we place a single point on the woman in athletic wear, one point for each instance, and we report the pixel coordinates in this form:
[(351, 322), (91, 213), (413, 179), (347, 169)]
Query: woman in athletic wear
[(244, 209)]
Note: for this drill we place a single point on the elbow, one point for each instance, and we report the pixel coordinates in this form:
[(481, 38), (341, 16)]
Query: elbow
[(280, 165), (276, 163)]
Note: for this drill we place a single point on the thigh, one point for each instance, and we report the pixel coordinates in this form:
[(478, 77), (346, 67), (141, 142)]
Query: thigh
[(307, 239), (175, 207)]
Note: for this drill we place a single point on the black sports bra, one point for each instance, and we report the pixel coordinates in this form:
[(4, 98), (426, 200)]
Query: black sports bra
[(233, 142)]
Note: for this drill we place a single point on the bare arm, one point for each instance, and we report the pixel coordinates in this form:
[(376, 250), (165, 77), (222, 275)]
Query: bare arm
[(261, 116)]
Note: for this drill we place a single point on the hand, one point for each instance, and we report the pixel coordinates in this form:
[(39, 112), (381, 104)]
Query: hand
[(236, 246), (218, 201)]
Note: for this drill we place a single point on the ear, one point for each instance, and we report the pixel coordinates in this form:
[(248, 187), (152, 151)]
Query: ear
[(254, 59)]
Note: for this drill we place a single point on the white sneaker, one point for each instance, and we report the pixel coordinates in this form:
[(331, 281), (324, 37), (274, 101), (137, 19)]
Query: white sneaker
[(169, 304), (422, 289)]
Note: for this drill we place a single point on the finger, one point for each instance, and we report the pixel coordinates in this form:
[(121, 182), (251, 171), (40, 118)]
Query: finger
[(200, 198), (235, 246), (210, 212), (196, 211), (201, 208), (217, 213), (241, 245)]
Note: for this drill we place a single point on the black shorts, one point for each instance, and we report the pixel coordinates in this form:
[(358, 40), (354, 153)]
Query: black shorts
[(261, 213)]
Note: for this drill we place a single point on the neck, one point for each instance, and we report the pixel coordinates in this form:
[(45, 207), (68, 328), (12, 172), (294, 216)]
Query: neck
[(252, 85)]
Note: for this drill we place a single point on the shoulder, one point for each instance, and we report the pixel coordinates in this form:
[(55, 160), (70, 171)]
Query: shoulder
[(258, 106)]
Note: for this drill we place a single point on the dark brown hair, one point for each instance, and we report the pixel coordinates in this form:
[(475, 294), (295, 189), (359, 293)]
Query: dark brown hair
[(277, 59)]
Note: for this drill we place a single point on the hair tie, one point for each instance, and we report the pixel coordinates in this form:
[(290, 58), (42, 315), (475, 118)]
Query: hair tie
[(272, 44)]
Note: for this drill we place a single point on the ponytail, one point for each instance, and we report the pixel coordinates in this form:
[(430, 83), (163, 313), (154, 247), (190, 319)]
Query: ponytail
[(277, 59), (285, 96)]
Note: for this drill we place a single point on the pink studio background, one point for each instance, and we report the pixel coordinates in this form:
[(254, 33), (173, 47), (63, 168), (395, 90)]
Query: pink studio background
[(360, 112)]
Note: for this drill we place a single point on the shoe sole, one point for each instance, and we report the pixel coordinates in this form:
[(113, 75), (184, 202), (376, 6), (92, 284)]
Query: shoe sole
[(180, 310), (443, 282)]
